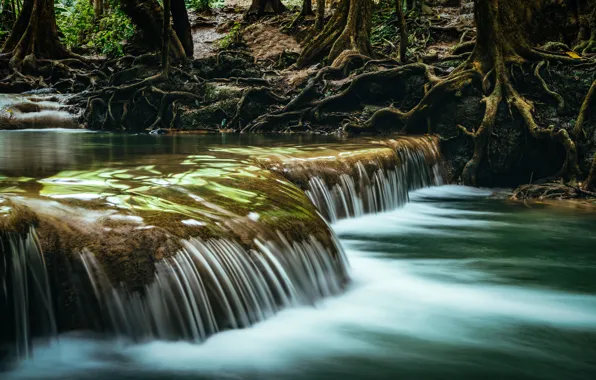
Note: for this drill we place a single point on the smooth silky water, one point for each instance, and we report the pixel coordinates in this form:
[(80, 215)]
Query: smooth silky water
[(452, 283)]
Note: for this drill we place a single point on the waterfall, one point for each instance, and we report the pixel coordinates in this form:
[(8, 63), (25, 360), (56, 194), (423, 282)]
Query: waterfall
[(205, 286), (26, 303), (345, 186), (216, 284)]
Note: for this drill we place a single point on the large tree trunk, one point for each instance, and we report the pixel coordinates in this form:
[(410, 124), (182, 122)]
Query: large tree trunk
[(586, 20), (98, 8), (182, 26), (147, 15), (35, 34), (320, 19), (260, 7), (504, 38), (347, 31), (306, 8), (503, 31)]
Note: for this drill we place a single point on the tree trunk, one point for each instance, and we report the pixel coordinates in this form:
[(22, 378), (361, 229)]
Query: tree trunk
[(586, 36), (504, 37), (348, 30), (147, 15), (320, 19), (260, 7), (182, 26), (165, 41), (403, 30), (97, 8), (306, 8), (356, 34), (503, 31), (35, 34)]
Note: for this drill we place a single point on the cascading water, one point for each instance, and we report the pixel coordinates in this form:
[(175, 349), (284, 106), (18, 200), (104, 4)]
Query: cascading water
[(373, 183), (210, 284), (25, 299), (215, 285)]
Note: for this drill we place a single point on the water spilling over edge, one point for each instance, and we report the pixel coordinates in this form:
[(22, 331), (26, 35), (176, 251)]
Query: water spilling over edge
[(217, 284), (352, 184)]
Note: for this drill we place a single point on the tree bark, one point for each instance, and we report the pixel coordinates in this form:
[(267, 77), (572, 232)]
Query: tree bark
[(586, 19), (165, 42), (147, 15), (260, 7), (306, 8), (182, 26), (348, 30), (356, 33), (97, 8), (590, 183), (35, 34), (320, 19), (504, 37), (403, 31)]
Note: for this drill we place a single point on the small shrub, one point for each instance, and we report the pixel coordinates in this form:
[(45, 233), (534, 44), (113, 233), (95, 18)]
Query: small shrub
[(79, 28), (198, 5)]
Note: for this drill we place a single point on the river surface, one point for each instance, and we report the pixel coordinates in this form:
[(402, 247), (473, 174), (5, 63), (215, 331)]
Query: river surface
[(455, 285)]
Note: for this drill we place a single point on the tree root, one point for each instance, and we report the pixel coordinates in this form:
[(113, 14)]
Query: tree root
[(550, 191), (248, 95), (578, 130), (236, 52), (416, 117), (465, 47), (557, 97), (481, 136), (555, 46), (525, 108), (590, 182)]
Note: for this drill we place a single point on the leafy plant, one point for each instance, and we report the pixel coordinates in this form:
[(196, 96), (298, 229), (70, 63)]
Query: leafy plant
[(79, 26), (114, 28), (198, 5), (75, 20)]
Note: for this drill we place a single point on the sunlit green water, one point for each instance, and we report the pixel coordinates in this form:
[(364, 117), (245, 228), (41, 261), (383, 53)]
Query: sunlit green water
[(456, 285)]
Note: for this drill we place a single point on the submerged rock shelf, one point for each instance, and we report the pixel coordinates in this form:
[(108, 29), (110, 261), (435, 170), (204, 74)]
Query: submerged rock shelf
[(150, 245)]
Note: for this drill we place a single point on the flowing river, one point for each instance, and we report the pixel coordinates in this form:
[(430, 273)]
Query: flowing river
[(453, 283)]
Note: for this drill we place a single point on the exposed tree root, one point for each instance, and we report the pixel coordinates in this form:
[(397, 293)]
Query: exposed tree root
[(488, 65), (590, 182), (481, 135), (550, 191), (557, 97), (347, 30), (584, 113), (260, 94)]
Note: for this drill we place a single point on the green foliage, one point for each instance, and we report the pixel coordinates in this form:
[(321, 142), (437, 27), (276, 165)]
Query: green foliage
[(79, 27), (75, 21), (233, 37), (385, 30), (198, 5), (385, 25), (114, 28), (203, 5), (7, 18)]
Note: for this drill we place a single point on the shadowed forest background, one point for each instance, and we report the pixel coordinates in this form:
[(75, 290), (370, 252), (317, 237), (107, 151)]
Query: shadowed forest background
[(506, 84)]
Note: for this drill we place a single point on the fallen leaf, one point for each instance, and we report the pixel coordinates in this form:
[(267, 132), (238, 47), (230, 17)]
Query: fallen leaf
[(573, 54)]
